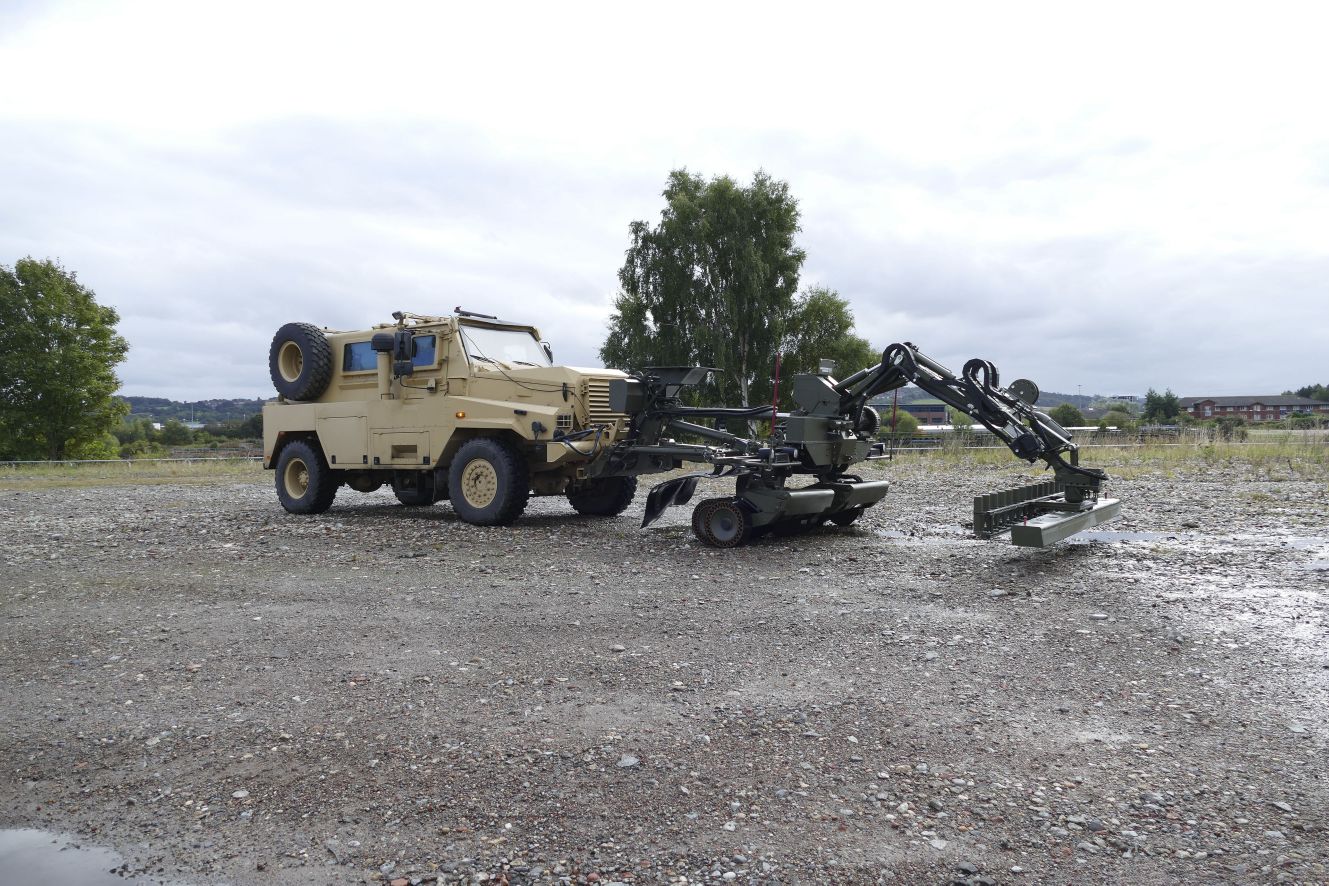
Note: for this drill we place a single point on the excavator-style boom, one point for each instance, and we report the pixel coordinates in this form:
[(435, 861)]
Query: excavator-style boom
[(831, 428)]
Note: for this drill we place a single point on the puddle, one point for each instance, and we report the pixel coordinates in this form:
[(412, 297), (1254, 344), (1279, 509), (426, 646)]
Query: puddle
[(1318, 545), (1107, 536), (30, 857)]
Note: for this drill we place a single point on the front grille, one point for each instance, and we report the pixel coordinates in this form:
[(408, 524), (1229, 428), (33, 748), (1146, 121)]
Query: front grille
[(597, 402)]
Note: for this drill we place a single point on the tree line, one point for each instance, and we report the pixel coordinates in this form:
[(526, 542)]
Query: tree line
[(140, 437), (716, 282)]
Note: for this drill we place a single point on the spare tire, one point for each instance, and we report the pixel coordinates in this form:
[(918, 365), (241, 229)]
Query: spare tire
[(300, 361)]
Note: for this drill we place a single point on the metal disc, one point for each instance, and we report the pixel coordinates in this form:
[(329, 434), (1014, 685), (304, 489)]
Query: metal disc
[(1025, 390)]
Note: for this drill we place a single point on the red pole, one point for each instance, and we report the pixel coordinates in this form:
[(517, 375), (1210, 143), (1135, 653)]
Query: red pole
[(775, 397), (895, 408)]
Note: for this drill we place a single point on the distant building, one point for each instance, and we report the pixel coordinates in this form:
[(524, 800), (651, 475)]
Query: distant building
[(1253, 408), (927, 411)]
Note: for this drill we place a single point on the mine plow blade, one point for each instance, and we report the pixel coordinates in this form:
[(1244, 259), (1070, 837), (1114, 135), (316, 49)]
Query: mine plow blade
[(677, 491), (1039, 515)]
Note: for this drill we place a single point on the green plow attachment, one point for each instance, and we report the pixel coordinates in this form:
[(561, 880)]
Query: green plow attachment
[(1039, 515)]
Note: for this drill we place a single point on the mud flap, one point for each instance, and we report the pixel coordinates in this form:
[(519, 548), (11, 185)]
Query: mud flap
[(671, 492)]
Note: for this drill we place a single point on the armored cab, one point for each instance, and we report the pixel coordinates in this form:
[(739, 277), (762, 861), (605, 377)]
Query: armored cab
[(464, 407)]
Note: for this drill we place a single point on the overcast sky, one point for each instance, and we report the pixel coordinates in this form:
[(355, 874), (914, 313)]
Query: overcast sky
[(1102, 198)]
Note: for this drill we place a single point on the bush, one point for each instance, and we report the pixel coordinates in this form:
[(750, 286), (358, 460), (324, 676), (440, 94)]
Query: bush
[(1230, 427), (104, 447), (1067, 416), (174, 433), (142, 449), (905, 426)]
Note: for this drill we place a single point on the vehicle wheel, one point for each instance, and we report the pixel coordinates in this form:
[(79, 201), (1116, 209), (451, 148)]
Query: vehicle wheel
[(699, 515), (305, 483), (725, 525), (606, 497), (300, 361), (844, 518), (870, 423), (489, 482)]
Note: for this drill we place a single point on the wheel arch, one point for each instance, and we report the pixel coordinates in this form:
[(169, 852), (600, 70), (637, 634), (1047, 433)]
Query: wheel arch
[(462, 436), (283, 439)]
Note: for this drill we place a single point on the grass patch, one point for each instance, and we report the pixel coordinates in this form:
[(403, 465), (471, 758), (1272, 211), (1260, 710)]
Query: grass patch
[(125, 472)]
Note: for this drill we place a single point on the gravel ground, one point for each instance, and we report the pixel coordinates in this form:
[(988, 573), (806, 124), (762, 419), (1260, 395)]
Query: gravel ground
[(227, 694)]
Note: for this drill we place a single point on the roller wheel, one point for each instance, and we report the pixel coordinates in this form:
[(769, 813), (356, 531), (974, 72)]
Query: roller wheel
[(300, 361), (723, 524), (305, 483), (699, 515), (489, 482), (606, 497)]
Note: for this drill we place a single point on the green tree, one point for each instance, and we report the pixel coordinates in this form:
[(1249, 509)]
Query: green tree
[(1118, 419), (712, 284), (174, 433), (1163, 407), (58, 353), (1315, 392), (1067, 416), (821, 327), (905, 424), (252, 427)]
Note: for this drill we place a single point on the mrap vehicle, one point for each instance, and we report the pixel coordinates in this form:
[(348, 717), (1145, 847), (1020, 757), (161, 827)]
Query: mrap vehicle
[(472, 409)]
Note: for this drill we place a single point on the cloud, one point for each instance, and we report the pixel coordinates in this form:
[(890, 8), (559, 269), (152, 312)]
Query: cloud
[(1111, 213)]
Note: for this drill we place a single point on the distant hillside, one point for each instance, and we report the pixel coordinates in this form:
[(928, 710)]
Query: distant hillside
[(1046, 399), (206, 411)]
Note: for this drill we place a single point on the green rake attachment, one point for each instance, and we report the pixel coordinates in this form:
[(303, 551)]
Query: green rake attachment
[(1039, 515)]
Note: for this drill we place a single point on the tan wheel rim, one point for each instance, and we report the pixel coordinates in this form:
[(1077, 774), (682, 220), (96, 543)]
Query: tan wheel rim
[(479, 483), (296, 478), (290, 361)]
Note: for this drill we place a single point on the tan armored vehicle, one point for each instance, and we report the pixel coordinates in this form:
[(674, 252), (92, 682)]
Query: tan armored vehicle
[(464, 407)]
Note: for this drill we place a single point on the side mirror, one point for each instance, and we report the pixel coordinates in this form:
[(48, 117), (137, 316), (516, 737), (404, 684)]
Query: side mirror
[(401, 345), (549, 351)]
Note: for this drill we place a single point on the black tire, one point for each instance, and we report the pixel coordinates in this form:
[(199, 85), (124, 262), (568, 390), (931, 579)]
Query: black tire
[(305, 483), (870, 422), (606, 497), (844, 518), (699, 515), (300, 361), (725, 525), (489, 482)]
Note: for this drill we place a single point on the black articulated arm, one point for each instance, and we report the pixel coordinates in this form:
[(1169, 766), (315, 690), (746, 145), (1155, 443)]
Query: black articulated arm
[(977, 392)]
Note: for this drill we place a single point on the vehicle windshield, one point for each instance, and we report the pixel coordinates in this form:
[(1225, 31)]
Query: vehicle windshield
[(516, 347)]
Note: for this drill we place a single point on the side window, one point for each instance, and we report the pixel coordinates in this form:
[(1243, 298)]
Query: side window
[(426, 347), (358, 356)]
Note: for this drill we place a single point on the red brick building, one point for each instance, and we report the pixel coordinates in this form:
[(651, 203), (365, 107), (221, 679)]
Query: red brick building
[(1254, 408)]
